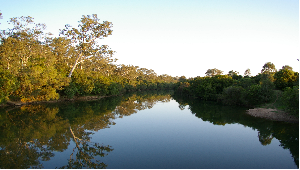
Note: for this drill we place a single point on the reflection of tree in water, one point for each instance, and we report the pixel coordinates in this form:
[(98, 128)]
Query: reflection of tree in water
[(140, 101), (286, 133), (265, 139), (31, 134), (86, 152)]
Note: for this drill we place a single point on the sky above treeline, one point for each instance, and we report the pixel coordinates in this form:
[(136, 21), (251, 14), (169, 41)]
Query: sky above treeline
[(181, 37)]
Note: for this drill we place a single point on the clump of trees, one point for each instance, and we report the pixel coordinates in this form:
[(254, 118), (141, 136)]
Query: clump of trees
[(234, 89), (35, 66)]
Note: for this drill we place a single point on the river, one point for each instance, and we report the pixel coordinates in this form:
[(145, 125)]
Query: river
[(145, 130)]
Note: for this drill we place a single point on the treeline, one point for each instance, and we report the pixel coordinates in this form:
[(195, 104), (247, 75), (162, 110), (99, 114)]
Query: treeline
[(232, 89), (36, 67)]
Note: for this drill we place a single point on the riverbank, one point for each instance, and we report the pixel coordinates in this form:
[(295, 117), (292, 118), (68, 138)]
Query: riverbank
[(62, 99), (273, 114)]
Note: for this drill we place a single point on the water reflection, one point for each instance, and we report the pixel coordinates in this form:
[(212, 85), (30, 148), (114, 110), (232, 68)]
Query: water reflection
[(33, 134), (286, 133)]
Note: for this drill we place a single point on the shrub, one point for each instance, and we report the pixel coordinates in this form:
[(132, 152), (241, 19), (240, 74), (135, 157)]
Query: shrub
[(233, 95), (267, 90), (8, 84), (252, 95), (290, 100), (71, 90), (114, 88)]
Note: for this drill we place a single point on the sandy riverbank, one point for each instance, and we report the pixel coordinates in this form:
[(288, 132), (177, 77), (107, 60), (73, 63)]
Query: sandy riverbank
[(272, 114)]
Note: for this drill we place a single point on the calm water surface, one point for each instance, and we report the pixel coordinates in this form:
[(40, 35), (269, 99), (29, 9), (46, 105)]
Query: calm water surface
[(144, 131)]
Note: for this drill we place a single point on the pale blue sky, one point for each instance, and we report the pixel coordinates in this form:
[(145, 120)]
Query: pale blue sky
[(182, 37)]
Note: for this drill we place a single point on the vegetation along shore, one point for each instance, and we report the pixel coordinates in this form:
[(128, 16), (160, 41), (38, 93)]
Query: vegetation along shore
[(36, 67)]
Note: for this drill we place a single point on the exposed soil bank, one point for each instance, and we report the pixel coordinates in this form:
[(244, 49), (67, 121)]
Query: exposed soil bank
[(272, 114)]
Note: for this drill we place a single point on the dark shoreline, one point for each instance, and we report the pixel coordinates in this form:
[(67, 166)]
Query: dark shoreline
[(62, 99)]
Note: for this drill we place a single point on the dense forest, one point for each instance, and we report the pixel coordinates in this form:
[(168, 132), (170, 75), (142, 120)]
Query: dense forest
[(34, 66)]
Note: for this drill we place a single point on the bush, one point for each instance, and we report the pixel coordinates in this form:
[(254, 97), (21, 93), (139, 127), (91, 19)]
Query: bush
[(246, 82), (267, 90), (100, 89), (8, 84), (71, 90), (290, 100), (114, 88), (233, 95), (252, 95)]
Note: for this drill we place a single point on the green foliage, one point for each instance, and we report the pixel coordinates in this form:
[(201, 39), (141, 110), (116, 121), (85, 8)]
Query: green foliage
[(207, 88), (233, 95), (267, 90), (213, 72), (252, 95), (286, 77), (268, 68), (290, 100), (114, 88), (84, 82), (245, 82), (8, 84), (84, 40), (71, 90)]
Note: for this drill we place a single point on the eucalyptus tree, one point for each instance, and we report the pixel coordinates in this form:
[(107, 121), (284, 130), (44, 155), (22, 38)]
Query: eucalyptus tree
[(268, 68), (26, 54), (268, 71), (213, 72), (247, 73), (232, 73), (84, 39)]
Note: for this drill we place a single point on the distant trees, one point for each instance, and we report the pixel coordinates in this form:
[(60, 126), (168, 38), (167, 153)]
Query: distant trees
[(234, 75), (234, 89), (213, 72), (247, 73)]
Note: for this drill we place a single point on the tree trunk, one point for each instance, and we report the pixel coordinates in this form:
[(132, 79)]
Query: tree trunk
[(74, 66)]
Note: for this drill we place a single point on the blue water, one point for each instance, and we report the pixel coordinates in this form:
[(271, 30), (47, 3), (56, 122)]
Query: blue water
[(167, 137), (159, 136)]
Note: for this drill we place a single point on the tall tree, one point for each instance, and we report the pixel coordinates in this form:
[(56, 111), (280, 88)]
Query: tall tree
[(84, 39), (286, 77), (213, 72), (268, 71), (268, 68), (247, 73), (232, 73), (287, 67)]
